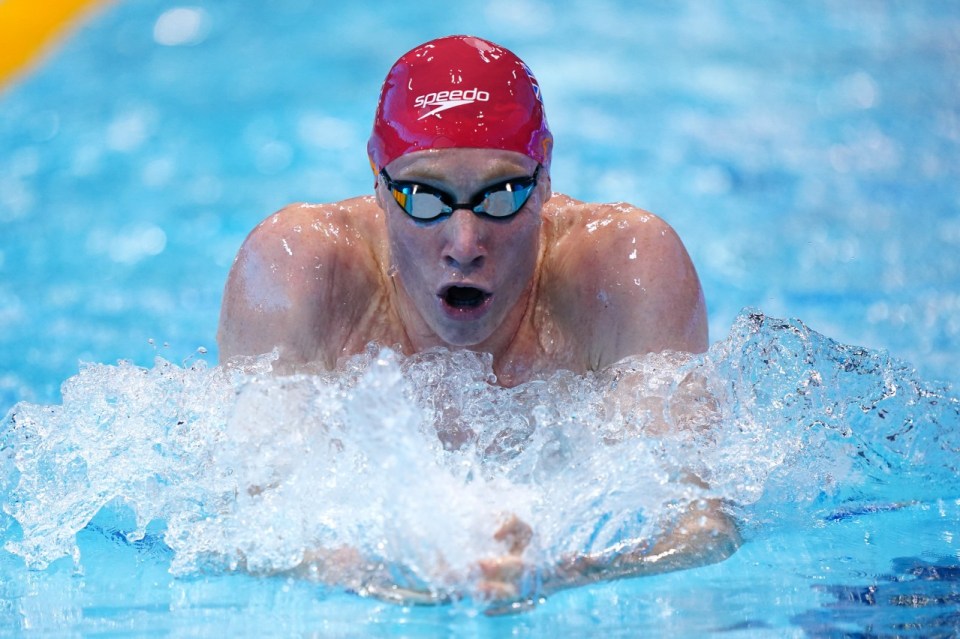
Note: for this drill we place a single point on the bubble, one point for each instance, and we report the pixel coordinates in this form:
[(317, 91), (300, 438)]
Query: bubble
[(861, 90), (404, 468), (273, 156), (326, 132), (158, 172), (130, 129), (127, 245), (181, 26)]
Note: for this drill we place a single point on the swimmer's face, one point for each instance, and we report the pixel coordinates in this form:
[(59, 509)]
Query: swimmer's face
[(464, 276)]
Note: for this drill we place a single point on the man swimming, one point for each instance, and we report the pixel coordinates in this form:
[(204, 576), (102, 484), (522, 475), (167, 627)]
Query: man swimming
[(465, 246)]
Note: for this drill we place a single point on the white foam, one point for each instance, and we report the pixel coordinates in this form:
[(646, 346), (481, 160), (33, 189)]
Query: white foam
[(415, 462)]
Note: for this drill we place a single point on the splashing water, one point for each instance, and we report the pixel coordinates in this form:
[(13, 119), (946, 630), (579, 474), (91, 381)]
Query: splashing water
[(414, 462)]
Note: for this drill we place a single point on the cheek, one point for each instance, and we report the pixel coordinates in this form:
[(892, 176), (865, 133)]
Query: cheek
[(521, 247), (409, 251)]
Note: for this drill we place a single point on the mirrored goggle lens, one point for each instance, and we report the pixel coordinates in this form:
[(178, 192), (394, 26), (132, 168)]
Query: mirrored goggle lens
[(427, 205), (423, 206), (505, 202)]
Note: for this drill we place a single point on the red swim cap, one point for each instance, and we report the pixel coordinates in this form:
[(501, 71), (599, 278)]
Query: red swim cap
[(459, 92)]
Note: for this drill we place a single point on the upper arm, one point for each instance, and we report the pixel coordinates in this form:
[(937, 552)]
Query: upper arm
[(637, 286), (287, 288)]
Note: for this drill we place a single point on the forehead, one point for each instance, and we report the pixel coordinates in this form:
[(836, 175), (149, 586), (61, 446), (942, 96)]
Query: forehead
[(459, 166)]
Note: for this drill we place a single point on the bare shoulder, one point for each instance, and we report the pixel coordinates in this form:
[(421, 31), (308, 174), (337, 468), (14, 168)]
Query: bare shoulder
[(622, 277), (331, 225), (299, 274)]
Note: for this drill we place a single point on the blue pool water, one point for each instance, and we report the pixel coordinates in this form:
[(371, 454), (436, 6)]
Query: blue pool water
[(807, 154)]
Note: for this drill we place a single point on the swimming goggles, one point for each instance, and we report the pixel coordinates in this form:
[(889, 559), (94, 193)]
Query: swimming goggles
[(426, 203)]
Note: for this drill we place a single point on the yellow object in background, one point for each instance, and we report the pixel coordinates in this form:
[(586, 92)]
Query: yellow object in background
[(28, 28)]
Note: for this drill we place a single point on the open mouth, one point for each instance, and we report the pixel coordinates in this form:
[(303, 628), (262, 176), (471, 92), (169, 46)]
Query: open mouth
[(464, 297)]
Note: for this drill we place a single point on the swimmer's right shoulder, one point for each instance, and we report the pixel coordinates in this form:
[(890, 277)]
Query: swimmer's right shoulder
[(302, 281), (346, 221), (301, 235)]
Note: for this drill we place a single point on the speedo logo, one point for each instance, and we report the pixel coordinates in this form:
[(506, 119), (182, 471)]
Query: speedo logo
[(443, 100)]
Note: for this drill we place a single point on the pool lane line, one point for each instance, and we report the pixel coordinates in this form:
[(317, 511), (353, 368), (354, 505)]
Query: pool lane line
[(29, 29)]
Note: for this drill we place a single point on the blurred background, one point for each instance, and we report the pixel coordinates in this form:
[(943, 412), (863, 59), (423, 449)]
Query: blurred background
[(807, 153)]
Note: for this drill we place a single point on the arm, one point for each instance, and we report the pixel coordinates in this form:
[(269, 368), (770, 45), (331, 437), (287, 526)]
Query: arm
[(703, 535), (347, 568)]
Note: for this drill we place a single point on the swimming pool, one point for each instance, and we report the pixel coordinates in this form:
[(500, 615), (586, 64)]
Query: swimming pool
[(807, 154)]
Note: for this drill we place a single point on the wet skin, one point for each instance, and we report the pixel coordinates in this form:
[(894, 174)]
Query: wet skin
[(562, 284), (463, 280)]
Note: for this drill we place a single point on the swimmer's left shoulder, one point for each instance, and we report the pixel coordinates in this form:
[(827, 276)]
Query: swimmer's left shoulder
[(624, 273), (607, 225)]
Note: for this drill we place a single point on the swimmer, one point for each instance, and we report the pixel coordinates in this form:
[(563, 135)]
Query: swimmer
[(464, 245)]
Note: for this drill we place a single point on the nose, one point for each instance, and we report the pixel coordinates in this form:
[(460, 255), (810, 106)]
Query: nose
[(465, 246)]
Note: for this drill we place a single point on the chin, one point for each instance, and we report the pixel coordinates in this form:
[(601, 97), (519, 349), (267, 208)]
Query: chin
[(460, 340), (463, 336)]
